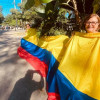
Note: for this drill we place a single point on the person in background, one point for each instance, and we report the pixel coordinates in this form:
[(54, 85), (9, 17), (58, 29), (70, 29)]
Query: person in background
[(27, 27)]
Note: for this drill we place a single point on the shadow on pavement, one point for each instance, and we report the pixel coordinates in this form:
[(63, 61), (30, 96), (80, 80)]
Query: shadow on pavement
[(3, 31), (26, 86)]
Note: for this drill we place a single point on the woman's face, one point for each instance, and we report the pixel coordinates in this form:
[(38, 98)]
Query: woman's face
[(92, 25), (28, 26)]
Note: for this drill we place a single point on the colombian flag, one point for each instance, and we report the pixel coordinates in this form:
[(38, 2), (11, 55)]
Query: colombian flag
[(71, 66)]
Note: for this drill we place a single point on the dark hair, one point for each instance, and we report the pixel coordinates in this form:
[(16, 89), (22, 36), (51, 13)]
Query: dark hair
[(28, 24)]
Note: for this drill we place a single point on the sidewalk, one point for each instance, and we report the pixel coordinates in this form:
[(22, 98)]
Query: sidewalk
[(18, 80)]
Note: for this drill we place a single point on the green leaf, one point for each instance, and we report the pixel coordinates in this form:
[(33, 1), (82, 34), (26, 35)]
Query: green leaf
[(29, 4), (96, 5), (46, 1)]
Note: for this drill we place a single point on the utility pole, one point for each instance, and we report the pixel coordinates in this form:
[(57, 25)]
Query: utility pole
[(16, 17), (22, 25), (14, 4)]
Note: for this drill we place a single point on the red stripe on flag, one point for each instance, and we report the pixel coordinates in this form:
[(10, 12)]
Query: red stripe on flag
[(34, 61), (53, 96)]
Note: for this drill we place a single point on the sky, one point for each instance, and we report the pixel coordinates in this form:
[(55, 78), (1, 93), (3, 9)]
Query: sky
[(7, 5)]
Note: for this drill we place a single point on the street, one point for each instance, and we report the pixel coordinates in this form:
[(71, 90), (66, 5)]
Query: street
[(18, 79)]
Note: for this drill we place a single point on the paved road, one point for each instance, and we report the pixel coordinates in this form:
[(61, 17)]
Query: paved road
[(18, 80)]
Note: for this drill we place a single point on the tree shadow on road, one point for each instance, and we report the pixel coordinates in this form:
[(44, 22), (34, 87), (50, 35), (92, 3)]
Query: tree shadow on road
[(26, 86), (3, 31)]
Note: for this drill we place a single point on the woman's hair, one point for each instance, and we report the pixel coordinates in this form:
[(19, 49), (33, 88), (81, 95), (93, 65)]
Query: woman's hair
[(28, 24), (90, 16)]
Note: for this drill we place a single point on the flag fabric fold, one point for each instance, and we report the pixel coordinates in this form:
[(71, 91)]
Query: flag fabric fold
[(71, 66)]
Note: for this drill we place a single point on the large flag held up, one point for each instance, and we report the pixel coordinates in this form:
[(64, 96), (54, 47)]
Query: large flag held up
[(71, 66)]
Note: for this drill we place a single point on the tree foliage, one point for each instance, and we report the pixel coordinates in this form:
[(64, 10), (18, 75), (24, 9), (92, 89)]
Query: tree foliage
[(96, 5), (21, 16), (9, 20), (52, 14)]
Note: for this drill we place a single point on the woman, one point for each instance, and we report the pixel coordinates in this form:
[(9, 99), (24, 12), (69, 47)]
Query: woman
[(92, 23), (71, 73), (80, 66)]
